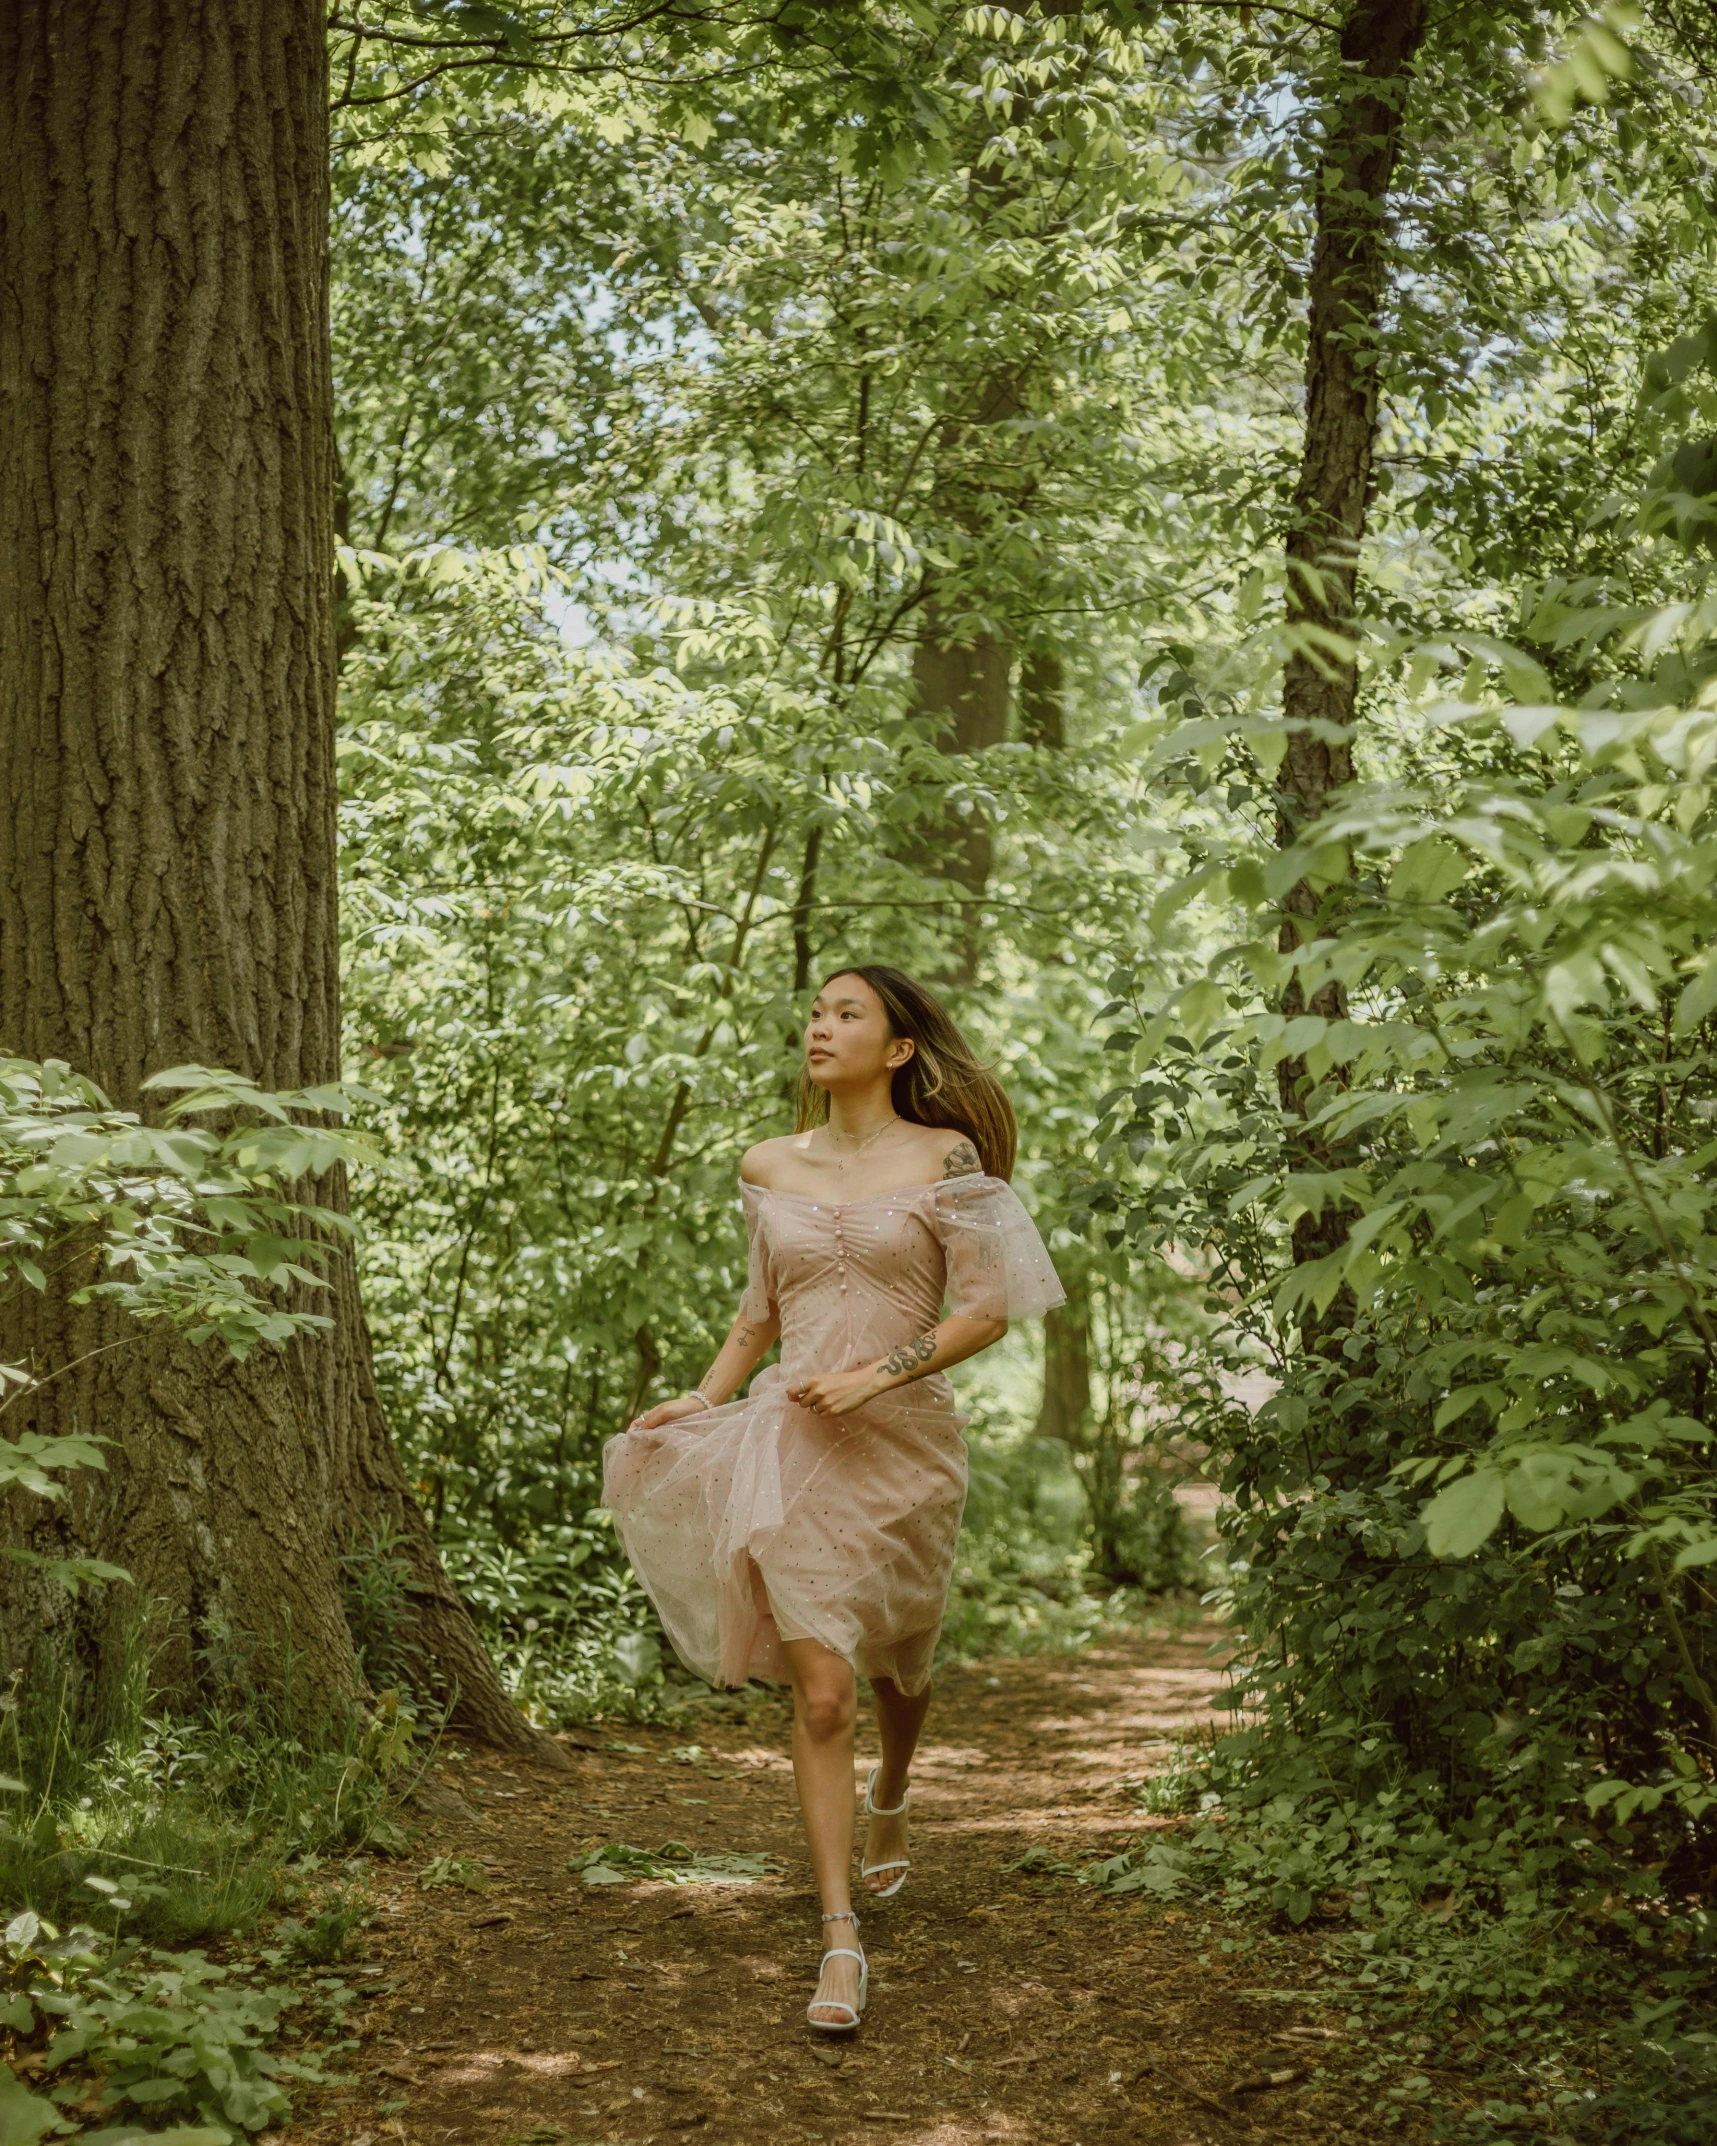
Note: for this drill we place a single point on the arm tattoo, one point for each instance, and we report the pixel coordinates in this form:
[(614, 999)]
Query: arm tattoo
[(745, 1337), (963, 1161), (910, 1354)]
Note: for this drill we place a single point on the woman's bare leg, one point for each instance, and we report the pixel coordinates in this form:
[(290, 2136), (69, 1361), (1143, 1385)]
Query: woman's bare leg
[(899, 1718), (825, 1710)]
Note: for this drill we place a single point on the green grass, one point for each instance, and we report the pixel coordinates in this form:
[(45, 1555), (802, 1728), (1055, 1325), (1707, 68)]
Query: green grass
[(125, 1835), (163, 1830)]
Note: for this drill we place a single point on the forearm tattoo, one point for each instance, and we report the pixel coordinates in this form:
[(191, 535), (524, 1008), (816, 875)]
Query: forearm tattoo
[(746, 1336), (963, 1161), (910, 1354)]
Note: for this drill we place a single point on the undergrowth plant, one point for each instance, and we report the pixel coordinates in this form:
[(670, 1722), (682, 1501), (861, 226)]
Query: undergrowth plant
[(192, 1821), (124, 1826), (1469, 1530), (178, 1221), (94, 2032)]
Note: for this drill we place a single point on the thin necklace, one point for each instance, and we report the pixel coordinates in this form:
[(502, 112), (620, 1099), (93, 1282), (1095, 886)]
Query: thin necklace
[(886, 1126)]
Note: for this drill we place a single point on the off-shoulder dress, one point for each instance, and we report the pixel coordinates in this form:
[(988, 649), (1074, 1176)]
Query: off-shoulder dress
[(759, 1521)]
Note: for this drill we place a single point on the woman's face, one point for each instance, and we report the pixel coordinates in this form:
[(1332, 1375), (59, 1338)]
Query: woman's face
[(847, 1039)]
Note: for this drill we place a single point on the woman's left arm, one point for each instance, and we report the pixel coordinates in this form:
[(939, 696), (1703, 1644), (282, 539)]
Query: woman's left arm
[(956, 1338)]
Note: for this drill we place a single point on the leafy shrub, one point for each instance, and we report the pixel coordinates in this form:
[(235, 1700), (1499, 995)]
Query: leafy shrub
[(569, 1628), (375, 1586), (163, 2033), (1516, 1306), (190, 1224), (328, 1935), (1469, 1522)]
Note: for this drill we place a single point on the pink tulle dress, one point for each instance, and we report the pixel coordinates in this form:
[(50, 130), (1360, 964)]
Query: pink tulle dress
[(759, 1521)]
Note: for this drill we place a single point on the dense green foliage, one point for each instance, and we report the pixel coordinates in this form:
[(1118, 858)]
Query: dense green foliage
[(659, 461), (1512, 1116)]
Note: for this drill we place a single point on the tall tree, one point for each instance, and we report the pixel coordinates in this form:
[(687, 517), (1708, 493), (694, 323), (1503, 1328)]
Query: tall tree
[(167, 881), (1367, 117), (962, 685)]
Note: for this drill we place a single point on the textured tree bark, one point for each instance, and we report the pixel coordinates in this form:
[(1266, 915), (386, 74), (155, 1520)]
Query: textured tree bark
[(167, 859), (1331, 499)]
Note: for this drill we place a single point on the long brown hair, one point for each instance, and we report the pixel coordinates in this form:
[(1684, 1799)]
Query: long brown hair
[(942, 1083)]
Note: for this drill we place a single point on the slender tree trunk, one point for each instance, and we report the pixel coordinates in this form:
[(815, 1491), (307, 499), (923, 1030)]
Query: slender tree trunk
[(804, 905), (963, 684), (1065, 1410), (1043, 700), (167, 858), (1331, 499)]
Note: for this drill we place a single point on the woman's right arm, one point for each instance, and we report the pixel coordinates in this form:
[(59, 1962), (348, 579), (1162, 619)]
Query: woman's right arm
[(747, 1343)]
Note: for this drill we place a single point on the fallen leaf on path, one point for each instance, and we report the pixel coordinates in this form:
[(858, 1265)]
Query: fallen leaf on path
[(673, 1863)]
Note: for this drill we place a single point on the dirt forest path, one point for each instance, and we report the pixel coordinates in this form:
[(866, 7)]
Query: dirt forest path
[(542, 2011)]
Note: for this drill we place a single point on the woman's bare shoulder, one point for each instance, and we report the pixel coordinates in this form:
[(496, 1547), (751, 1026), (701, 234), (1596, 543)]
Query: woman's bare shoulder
[(762, 1165), (953, 1153)]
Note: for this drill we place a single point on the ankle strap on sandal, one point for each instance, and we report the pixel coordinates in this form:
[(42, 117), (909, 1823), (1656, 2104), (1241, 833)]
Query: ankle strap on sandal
[(846, 1915)]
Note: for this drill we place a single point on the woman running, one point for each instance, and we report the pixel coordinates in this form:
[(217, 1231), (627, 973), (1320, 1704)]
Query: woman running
[(807, 1532)]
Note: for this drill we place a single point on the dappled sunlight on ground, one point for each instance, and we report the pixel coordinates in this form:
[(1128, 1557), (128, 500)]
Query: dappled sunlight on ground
[(1008, 2007)]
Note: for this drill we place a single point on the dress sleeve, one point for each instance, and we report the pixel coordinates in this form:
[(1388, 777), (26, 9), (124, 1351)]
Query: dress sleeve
[(998, 1267), (758, 1302)]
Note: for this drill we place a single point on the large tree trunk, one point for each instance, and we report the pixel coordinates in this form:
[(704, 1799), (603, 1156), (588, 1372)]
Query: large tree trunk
[(1349, 269), (167, 861)]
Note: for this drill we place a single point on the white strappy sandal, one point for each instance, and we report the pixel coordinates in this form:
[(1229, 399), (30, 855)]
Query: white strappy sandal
[(902, 1863), (839, 2004)]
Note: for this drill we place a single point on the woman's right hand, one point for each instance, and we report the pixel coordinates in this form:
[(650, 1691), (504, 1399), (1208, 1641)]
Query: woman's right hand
[(683, 1404)]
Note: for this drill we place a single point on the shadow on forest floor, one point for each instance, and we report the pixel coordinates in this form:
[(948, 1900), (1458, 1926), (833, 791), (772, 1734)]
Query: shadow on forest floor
[(541, 2011)]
